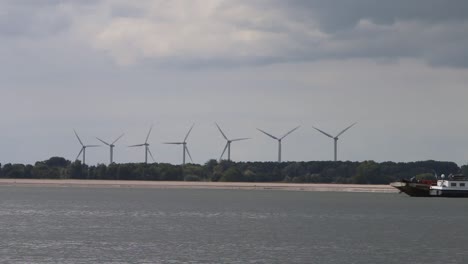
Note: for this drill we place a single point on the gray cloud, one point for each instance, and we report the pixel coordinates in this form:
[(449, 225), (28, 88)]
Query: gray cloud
[(235, 33), (112, 66), (344, 14), (33, 19)]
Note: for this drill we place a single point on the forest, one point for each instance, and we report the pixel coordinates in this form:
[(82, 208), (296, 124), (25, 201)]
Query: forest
[(365, 172)]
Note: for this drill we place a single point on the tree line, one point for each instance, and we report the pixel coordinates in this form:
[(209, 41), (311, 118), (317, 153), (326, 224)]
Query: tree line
[(365, 172)]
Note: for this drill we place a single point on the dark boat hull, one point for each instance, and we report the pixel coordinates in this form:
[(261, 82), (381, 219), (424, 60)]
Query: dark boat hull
[(449, 193), (417, 189), (413, 189)]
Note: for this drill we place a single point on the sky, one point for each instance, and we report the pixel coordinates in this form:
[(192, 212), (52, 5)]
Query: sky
[(106, 67)]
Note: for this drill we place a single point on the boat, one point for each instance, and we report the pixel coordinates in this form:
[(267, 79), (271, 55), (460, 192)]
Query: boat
[(452, 186)]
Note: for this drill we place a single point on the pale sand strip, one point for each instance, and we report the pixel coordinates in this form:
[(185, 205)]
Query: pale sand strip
[(202, 185)]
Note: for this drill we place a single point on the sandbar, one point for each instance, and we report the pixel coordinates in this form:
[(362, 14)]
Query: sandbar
[(308, 187)]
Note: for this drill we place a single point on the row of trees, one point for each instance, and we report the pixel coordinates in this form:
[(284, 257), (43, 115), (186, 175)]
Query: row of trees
[(366, 172)]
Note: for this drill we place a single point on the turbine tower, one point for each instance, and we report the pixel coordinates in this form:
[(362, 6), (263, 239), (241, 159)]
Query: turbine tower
[(146, 145), (184, 146), (335, 139), (228, 143), (83, 148), (279, 139), (111, 146)]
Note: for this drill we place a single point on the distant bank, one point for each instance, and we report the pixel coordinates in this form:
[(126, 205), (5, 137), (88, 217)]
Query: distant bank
[(307, 172), (309, 187)]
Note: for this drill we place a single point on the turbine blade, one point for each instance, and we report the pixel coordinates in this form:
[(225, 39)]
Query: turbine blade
[(239, 139), (77, 156), (188, 152), (273, 137), (222, 133), (185, 139), (291, 132), (174, 143), (139, 145), (224, 151), (103, 141), (149, 132), (76, 134), (92, 146), (118, 139), (151, 154), (344, 130), (323, 132)]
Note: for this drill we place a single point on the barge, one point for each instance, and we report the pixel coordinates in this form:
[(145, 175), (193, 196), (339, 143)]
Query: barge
[(452, 186)]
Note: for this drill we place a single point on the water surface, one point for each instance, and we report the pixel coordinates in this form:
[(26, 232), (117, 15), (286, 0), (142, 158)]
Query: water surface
[(137, 225)]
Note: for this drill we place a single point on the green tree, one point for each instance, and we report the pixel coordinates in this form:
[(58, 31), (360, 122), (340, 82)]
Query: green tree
[(367, 173), (14, 171), (101, 172), (191, 177), (464, 170), (294, 169), (57, 162), (232, 175), (249, 175), (112, 171), (75, 170)]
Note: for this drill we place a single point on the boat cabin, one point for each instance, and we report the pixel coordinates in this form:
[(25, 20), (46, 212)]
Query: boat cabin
[(455, 185)]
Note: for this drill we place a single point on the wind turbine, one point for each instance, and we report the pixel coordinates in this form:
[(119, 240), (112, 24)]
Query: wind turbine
[(184, 146), (83, 148), (279, 139), (336, 137), (111, 146), (146, 145), (228, 143)]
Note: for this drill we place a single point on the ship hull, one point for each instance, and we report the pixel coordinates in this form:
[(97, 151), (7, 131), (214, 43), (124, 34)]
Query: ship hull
[(413, 189), (448, 193), (417, 189)]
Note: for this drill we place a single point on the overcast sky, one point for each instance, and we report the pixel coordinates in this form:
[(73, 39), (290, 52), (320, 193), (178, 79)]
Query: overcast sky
[(399, 68)]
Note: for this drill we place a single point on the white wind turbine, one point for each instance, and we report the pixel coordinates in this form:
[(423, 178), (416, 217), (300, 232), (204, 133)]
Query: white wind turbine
[(228, 143), (83, 148), (184, 146), (146, 145), (335, 139), (279, 139), (111, 146)]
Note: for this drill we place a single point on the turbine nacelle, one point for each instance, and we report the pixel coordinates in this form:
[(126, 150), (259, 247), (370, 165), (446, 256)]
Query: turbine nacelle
[(83, 148), (185, 149), (146, 145), (335, 138), (278, 139), (111, 146), (228, 143)]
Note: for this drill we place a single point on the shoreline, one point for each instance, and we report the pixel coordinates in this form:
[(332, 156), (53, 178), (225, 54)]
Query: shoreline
[(307, 187)]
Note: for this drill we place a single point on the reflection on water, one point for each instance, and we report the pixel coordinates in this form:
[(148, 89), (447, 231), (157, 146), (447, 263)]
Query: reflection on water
[(99, 225)]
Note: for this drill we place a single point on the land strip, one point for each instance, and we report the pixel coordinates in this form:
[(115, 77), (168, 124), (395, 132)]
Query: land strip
[(202, 185)]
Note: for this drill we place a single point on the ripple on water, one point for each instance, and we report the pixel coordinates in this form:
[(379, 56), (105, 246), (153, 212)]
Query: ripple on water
[(79, 225)]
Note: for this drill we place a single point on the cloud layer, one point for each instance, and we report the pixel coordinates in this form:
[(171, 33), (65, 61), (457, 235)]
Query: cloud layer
[(224, 32), (112, 66)]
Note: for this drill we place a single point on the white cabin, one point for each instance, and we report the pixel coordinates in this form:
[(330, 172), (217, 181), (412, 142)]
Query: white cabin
[(454, 186)]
